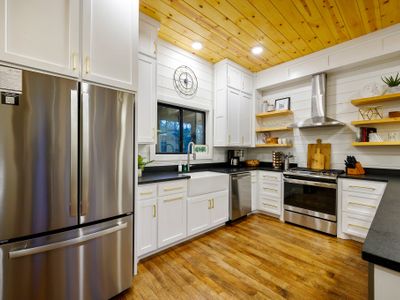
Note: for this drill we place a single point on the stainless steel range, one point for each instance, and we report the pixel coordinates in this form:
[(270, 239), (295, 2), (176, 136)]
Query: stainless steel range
[(310, 198)]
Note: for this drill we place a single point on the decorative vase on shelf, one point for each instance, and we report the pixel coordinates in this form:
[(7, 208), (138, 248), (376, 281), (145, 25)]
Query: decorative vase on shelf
[(393, 90)]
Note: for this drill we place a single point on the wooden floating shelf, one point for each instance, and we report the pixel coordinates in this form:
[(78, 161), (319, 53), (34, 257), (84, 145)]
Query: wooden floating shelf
[(273, 145), (365, 144), (376, 122), (266, 129), (274, 113), (377, 99)]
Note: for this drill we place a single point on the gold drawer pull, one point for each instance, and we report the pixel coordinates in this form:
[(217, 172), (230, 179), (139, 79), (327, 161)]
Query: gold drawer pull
[(172, 189), (275, 190), (362, 204), (212, 201), (362, 187), (173, 199), (359, 226), (270, 205), (146, 193), (154, 211), (267, 176)]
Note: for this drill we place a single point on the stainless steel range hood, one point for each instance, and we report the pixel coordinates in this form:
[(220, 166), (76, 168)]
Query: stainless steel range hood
[(318, 106)]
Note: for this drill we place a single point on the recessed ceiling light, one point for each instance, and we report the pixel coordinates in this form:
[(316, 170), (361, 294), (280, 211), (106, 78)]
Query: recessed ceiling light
[(197, 46), (257, 50)]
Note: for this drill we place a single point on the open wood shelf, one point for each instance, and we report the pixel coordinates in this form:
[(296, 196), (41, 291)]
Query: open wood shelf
[(266, 129), (273, 145), (274, 113), (365, 144), (376, 121), (377, 99)]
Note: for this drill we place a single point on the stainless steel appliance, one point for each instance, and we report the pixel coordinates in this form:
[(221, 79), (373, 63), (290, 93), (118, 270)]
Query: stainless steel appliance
[(66, 191), (310, 198), (235, 157), (240, 195)]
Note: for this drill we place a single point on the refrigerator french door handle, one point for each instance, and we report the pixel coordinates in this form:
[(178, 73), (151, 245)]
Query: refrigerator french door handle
[(67, 243), (74, 154), (85, 154)]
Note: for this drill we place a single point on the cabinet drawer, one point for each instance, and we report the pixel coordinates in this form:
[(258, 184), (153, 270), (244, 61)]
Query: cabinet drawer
[(147, 191), (270, 188), (172, 187), (356, 225), (364, 186), (269, 204), (360, 203), (270, 176)]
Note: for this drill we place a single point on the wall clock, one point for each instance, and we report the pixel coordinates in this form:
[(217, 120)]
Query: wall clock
[(185, 82)]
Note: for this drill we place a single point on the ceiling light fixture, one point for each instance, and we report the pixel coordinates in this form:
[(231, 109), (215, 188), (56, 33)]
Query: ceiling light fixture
[(197, 45), (257, 50)]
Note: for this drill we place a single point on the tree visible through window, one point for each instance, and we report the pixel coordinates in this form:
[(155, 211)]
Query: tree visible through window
[(177, 127)]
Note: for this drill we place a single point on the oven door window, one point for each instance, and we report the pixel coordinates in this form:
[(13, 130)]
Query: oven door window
[(314, 198)]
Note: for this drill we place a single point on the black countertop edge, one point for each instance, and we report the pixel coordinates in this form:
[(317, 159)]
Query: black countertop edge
[(374, 174), (168, 173), (382, 244)]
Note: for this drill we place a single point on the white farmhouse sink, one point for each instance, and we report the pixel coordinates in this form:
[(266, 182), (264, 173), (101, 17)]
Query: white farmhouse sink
[(201, 183)]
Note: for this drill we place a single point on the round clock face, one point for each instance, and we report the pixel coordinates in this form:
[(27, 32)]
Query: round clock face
[(185, 82)]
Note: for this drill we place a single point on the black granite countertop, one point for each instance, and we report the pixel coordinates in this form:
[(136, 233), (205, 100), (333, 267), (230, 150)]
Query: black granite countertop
[(382, 245), (168, 173)]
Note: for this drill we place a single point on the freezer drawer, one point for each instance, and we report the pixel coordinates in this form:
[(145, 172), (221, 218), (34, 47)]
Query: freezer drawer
[(107, 153), (94, 262), (39, 157)]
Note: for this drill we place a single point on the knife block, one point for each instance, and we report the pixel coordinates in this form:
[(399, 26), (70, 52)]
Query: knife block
[(358, 170)]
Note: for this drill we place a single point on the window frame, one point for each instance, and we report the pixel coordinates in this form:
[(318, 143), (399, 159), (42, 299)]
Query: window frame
[(181, 110)]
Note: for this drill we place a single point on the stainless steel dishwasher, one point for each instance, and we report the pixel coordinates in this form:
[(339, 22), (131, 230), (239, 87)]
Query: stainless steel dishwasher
[(240, 195)]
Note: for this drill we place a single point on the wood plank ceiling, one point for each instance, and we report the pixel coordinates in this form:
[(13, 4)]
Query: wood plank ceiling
[(286, 29)]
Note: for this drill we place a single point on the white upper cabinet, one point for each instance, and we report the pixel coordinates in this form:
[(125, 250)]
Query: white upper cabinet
[(41, 34), (146, 100), (110, 41), (233, 120), (148, 35)]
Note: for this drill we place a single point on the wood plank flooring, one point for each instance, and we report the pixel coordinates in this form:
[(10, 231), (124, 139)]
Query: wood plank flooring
[(259, 258)]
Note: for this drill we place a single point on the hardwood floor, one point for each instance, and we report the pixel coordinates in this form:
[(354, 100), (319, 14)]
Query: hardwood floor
[(259, 257)]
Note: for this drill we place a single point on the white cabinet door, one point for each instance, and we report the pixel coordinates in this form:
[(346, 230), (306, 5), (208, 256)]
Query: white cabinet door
[(245, 120), (171, 219), (254, 191), (219, 208), (234, 138), (148, 35), (198, 214), (146, 100), (110, 32), (41, 34), (147, 226), (235, 80), (247, 83)]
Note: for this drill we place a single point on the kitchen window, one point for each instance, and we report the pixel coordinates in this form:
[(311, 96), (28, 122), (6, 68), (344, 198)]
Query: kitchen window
[(177, 127)]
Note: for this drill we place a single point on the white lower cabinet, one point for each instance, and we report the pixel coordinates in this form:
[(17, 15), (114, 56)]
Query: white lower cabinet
[(147, 226), (171, 219), (207, 211), (270, 194), (359, 201), (254, 190)]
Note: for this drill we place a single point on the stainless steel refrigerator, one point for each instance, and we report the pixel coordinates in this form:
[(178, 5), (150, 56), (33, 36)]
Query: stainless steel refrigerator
[(66, 188)]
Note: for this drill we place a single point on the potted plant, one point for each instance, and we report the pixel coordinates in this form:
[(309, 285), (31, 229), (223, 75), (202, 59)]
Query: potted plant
[(141, 164), (393, 84)]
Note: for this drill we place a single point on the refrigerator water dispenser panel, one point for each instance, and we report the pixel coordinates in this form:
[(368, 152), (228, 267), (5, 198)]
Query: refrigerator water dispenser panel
[(9, 99)]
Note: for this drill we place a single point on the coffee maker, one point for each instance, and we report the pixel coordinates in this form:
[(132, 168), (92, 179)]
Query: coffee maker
[(235, 157)]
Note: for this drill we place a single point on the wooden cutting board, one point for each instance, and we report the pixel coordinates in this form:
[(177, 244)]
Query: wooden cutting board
[(319, 156)]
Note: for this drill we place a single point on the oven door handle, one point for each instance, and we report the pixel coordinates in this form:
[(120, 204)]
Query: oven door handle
[(312, 183)]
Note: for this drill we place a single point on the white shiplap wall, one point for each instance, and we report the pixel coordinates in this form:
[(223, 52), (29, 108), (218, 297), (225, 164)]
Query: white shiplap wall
[(342, 87), (169, 57)]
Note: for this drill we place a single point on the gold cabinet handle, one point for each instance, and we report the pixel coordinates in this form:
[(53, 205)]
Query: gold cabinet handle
[(154, 211), (270, 205), (267, 176), (359, 226), (155, 47), (362, 187), (362, 204), (146, 193), (213, 204), (172, 189), (173, 199), (209, 203), (270, 189), (87, 65), (74, 61)]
